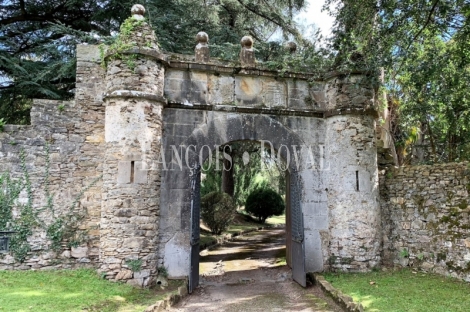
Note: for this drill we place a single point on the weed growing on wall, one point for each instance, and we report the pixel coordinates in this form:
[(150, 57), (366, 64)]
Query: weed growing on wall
[(134, 264), (2, 124), (10, 190), (123, 43), (27, 219)]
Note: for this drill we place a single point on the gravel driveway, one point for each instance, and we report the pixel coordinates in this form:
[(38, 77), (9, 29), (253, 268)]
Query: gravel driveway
[(249, 274)]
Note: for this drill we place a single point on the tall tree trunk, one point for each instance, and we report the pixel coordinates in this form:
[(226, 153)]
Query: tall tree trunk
[(228, 181)]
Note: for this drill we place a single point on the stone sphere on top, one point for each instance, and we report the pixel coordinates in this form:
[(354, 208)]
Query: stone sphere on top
[(202, 37), (247, 42), (138, 11)]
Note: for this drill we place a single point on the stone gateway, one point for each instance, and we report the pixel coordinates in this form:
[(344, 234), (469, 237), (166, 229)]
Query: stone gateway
[(145, 121)]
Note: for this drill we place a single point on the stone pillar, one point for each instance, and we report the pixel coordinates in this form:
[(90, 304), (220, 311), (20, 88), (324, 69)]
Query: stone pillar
[(352, 187), (202, 53), (247, 54), (133, 130)]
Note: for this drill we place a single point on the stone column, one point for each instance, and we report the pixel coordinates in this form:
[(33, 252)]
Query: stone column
[(133, 130), (352, 187)]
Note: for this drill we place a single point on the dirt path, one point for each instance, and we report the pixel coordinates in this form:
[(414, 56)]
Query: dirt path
[(249, 274)]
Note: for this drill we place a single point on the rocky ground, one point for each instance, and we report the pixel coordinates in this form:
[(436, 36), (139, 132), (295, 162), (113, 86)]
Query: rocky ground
[(249, 274)]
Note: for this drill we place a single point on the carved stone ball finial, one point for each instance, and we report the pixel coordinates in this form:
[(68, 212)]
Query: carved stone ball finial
[(290, 46), (247, 42), (138, 11), (247, 54), (202, 48), (202, 38)]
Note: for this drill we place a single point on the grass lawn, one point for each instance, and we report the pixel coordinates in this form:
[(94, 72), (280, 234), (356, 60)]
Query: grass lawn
[(275, 220), (73, 290), (403, 291)]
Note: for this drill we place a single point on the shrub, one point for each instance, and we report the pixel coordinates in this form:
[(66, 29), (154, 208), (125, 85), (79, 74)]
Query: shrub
[(264, 203), (217, 211)]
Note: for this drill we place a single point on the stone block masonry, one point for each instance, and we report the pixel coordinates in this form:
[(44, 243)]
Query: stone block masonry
[(129, 113), (74, 134), (426, 218)]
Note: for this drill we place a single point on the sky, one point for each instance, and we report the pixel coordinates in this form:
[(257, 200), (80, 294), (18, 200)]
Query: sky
[(314, 15)]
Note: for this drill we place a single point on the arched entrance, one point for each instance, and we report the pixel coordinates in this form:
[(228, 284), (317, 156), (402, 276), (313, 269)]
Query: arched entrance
[(295, 256), (181, 182)]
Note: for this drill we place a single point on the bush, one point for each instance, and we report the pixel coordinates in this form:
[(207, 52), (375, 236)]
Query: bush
[(217, 211), (264, 203)]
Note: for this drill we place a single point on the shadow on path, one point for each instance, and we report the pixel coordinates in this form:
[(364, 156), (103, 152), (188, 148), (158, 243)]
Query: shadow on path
[(249, 274)]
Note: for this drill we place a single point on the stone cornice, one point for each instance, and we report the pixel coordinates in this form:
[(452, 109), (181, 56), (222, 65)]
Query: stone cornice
[(277, 112), (135, 94)]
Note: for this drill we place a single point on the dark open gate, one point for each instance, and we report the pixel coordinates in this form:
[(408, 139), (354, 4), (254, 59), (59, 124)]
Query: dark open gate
[(195, 217), (296, 238)]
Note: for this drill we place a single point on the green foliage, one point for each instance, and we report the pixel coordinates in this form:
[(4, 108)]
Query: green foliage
[(404, 253), (217, 211), (37, 55), (122, 43), (264, 203), (134, 264), (65, 225), (9, 193), (61, 107), (162, 271), (2, 124), (260, 171), (27, 220), (423, 48), (212, 179)]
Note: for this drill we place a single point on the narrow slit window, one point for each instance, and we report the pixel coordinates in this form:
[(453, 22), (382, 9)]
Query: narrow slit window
[(357, 180), (132, 171)]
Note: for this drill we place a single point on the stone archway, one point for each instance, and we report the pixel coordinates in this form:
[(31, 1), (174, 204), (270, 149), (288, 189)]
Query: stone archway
[(170, 102), (216, 129)]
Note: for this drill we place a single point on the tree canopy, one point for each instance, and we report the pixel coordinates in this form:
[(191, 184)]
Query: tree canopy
[(422, 46), (38, 38)]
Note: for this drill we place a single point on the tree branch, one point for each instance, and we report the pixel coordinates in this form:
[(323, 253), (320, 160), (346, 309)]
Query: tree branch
[(418, 33)]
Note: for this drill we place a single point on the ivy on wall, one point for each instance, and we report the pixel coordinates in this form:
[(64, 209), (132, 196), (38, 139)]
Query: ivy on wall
[(64, 227)]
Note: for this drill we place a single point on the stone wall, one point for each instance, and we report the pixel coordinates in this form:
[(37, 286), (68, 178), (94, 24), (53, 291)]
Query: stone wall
[(112, 135), (73, 133), (426, 217)]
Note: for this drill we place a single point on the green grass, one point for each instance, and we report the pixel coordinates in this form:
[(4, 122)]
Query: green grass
[(403, 291), (72, 290), (275, 220)]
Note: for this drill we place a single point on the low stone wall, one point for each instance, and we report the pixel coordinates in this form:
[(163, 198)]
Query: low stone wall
[(426, 217)]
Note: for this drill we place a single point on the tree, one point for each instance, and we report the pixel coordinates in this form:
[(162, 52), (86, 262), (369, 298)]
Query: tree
[(217, 211), (37, 53), (424, 48), (264, 203)]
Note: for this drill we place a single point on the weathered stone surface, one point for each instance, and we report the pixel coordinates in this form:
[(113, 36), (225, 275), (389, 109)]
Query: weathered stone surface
[(425, 217), (109, 141), (124, 275), (136, 282), (247, 53), (201, 50), (79, 252)]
